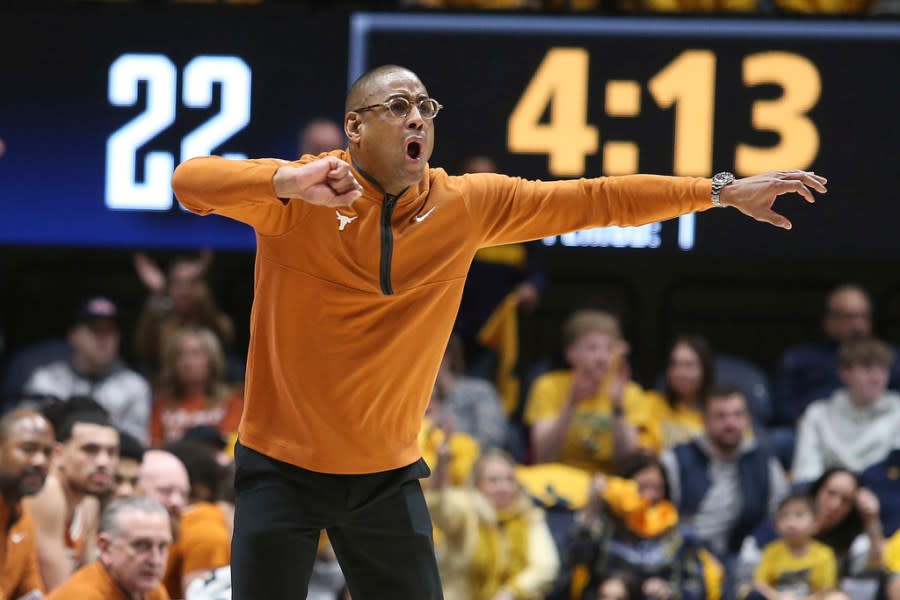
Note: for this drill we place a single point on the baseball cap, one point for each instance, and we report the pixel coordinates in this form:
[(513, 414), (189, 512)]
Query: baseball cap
[(95, 308)]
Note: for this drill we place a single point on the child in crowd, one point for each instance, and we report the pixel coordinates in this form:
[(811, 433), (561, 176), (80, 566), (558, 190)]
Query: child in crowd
[(795, 565)]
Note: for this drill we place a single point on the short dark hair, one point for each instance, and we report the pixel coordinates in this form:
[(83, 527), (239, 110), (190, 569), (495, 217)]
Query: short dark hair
[(798, 495), (721, 390), (633, 463), (88, 417), (58, 410), (201, 464), (130, 447)]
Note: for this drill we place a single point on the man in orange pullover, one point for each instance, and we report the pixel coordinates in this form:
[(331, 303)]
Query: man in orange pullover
[(26, 448), (133, 542), (361, 259)]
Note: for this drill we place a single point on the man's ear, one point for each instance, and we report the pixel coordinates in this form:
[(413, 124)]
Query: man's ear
[(352, 127), (103, 542)]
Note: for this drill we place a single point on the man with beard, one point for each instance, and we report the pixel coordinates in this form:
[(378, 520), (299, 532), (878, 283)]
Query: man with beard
[(362, 256), (134, 539), (67, 510), (723, 483), (26, 448)]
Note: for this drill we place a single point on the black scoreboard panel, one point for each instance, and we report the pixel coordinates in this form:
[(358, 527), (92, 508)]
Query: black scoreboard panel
[(582, 97)]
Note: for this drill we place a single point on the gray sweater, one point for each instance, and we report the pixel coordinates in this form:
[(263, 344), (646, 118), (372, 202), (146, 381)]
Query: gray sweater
[(836, 433)]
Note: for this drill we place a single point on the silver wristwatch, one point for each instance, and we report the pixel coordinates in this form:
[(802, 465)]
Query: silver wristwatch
[(719, 181)]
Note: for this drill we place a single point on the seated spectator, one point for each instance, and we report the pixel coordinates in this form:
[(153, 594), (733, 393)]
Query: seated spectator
[(883, 480), (96, 370), (26, 448), (810, 372), (847, 520), (320, 135), (473, 402), (892, 564), (192, 389), (858, 425), (795, 565), (125, 478), (723, 483), (689, 376), (67, 509), (204, 537), (165, 479), (590, 415), (133, 540), (630, 526), (495, 543), (179, 299)]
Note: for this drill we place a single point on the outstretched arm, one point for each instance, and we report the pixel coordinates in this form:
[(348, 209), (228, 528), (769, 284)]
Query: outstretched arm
[(508, 209)]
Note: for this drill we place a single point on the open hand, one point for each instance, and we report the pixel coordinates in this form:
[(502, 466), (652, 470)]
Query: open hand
[(149, 273), (754, 196), (327, 181)]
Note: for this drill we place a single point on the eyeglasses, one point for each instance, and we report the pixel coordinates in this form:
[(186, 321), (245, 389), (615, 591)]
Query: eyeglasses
[(400, 107)]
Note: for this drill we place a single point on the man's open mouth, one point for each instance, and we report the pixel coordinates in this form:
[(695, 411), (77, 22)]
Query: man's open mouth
[(414, 149)]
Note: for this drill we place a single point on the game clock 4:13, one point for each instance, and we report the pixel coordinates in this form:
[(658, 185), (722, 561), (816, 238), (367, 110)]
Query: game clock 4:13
[(551, 115)]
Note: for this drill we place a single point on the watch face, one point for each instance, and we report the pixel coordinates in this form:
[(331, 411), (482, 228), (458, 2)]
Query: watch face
[(723, 178)]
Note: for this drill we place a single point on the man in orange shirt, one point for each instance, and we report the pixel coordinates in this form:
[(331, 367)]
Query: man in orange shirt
[(362, 255), (134, 538), (26, 448), (203, 543)]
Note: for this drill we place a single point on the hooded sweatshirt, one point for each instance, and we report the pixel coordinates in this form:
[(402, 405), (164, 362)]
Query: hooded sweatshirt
[(353, 306)]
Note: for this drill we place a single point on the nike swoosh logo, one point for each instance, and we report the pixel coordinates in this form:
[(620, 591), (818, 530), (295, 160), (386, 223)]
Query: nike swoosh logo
[(425, 216)]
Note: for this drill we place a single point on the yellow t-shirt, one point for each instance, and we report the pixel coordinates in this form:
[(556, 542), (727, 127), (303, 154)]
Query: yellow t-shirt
[(892, 554), (800, 575), (589, 440), (675, 425)]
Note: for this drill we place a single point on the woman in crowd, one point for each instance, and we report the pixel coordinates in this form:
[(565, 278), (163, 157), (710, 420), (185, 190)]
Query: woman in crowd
[(192, 390), (689, 377), (847, 520), (493, 542)]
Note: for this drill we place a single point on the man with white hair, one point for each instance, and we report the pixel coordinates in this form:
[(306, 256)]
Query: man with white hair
[(134, 539)]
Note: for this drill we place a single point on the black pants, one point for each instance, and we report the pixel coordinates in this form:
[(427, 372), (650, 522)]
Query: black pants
[(378, 525)]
